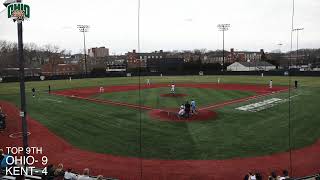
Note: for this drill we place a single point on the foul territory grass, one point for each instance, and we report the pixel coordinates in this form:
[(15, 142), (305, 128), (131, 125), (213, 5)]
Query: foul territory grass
[(116, 130), (152, 97)]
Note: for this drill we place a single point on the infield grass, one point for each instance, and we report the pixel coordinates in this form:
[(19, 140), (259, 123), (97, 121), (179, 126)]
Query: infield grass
[(152, 97)]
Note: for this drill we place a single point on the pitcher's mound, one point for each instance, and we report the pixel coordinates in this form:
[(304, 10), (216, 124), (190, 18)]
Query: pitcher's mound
[(171, 115), (173, 95)]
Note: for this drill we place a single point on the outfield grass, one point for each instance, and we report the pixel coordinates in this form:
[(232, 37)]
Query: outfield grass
[(152, 97), (12, 88), (116, 130)]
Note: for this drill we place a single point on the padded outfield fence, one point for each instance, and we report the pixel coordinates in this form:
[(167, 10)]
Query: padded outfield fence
[(14, 78)]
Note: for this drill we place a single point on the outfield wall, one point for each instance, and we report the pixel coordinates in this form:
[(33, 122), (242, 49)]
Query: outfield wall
[(124, 74)]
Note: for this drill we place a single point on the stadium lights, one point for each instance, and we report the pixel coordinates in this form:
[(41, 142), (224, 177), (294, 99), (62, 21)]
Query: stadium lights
[(223, 28), (84, 29)]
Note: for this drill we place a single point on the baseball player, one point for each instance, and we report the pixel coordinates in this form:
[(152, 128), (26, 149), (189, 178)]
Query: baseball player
[(101, 89), (193, 106), (173, 88), (33, 92), (181, 112)]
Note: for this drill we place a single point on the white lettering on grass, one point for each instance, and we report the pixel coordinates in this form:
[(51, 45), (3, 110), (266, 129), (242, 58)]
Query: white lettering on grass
[(255, 107)]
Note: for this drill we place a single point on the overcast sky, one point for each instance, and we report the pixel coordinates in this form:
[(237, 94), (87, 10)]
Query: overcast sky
[(168, 24)]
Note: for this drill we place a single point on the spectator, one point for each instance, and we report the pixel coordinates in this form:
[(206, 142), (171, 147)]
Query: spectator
[(49, 175), (246, 177), (1, 156), (58, 172), (5, 159), (258, 176), (100, 177), (68, 175), (273, 176), (285, 175), (252, 176), (85, 175)]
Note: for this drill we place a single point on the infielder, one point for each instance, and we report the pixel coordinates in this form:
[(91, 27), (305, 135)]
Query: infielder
[(173, 88), (270, 84)]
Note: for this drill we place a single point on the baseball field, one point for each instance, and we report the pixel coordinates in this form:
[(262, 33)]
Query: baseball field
[(241, 124)]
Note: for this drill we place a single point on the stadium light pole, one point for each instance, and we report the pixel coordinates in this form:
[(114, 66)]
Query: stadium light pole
[(84, 29), (289, 94), (297, 29), (23, 108), (223, 28), (280, 44)]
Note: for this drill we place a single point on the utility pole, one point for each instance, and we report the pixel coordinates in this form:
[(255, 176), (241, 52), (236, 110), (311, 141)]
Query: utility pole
[(223, 28), (297, 29), (84, 29)]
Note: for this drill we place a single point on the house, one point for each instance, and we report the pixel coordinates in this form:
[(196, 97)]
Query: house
[(251, 66)]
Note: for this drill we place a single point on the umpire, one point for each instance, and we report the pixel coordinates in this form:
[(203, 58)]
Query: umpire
[(187, 107)]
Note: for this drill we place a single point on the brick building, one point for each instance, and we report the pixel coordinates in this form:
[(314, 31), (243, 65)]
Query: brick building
[(98, 52), (59, 67), (135, 60)]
